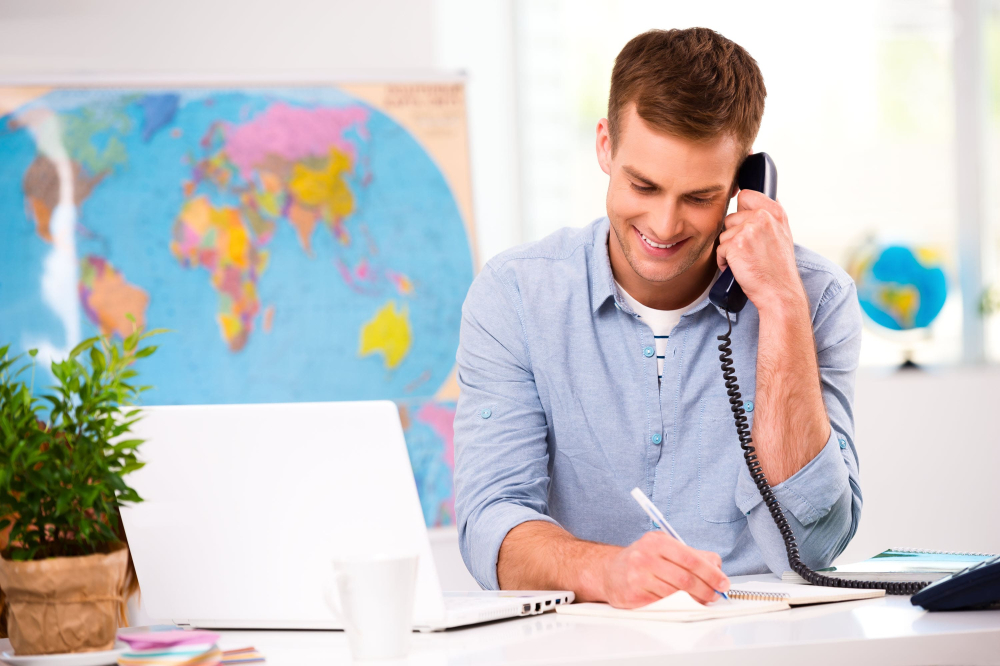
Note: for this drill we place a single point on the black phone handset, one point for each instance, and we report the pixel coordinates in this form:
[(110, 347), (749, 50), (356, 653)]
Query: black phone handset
[(759, 173)]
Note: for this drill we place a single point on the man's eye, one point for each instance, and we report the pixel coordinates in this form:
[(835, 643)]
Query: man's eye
[(643, 190), (700, 201)]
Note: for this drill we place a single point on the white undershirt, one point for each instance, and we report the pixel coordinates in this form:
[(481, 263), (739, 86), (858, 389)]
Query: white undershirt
[(662, 322)]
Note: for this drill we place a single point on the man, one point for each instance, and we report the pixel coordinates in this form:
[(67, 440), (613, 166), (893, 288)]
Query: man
[(589, 365)]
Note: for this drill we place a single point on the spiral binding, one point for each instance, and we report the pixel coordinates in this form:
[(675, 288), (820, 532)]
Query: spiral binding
[(770, 501), (748, 595)]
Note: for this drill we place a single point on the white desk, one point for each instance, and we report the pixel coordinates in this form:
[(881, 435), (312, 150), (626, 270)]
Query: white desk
[(876, 631)]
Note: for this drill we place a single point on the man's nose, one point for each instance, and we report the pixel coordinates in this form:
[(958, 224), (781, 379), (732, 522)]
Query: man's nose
[(667, 221)]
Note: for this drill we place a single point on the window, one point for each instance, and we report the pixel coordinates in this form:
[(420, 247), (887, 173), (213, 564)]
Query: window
[(859, 119)]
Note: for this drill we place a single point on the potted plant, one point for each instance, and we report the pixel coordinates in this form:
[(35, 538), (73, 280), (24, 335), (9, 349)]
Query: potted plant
[(65, 568)]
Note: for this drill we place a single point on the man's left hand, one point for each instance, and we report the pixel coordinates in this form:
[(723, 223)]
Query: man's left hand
[(757, 245)]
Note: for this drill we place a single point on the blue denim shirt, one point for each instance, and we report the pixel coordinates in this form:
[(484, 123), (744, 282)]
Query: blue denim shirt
[(561, 414)]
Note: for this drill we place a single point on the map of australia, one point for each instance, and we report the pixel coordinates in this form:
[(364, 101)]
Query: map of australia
[(300, 244)]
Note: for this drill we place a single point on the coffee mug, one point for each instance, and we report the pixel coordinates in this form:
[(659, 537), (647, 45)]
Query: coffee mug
[(372, 597)]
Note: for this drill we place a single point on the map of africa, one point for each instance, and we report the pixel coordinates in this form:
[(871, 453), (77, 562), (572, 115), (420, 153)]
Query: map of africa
[(300, 244)]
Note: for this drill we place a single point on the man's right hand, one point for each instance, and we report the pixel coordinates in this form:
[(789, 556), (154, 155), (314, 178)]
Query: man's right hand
[(656, 566)]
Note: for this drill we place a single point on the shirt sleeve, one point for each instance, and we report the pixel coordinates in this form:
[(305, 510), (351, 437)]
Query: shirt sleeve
[(501, 450), (822, 501)]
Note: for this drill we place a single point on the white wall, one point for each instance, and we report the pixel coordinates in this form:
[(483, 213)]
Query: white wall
[(261, 37), (478, 38), (929, 444)]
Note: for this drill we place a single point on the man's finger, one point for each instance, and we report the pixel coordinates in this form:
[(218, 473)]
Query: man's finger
[(681, 578), (734, 220), (691, 560), (720, 255), (712, 557), (753, 200), (657, 587), (729, 234)]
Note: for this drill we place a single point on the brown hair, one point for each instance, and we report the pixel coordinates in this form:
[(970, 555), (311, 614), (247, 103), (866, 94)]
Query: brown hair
[(691, 83)]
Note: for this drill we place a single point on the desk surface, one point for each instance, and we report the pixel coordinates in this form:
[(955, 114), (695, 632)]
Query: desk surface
[(886, 631)]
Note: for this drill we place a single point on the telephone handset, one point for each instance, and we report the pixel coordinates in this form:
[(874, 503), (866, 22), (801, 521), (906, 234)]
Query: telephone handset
[(759, 173), (756, 173)]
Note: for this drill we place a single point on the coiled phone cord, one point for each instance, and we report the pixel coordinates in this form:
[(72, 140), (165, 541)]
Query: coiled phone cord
[(770, 501)]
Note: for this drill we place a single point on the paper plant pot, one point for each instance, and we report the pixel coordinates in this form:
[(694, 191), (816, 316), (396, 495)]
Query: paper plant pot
[(64, 604)]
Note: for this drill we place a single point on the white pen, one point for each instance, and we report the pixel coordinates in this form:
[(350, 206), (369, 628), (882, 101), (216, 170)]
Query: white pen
[(661, 522)]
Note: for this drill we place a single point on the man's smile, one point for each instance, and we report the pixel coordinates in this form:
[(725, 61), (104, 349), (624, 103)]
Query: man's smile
[(657, 249)]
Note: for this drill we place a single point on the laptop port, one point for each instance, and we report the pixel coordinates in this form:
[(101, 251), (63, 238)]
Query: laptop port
[(548, 602), (526, 608), (538, 606), (557, 601)]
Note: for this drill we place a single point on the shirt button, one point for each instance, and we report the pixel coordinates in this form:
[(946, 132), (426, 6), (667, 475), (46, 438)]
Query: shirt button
[(657, 438), (648, 351), (749, 406), (486, 413), (843, 443)]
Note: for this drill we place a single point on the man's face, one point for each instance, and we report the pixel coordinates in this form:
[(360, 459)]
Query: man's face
[(667, 197)]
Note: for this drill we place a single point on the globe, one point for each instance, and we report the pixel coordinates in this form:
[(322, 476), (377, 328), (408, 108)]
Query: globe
[(900, 288)]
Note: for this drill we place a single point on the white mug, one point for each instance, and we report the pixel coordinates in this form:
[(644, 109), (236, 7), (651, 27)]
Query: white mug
[(373, 600)]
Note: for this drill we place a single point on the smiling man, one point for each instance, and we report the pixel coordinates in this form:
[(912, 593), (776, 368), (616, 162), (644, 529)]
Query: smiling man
[(589, 365)]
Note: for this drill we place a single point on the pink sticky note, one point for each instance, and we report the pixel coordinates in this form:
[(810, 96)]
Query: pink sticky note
[(148, 640)]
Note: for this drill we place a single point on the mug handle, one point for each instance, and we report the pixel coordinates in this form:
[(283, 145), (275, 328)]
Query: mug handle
[(332, 597)]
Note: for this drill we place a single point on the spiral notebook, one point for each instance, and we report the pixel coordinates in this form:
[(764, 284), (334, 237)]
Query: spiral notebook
[(900, 565), (798, 595), (745, 599)]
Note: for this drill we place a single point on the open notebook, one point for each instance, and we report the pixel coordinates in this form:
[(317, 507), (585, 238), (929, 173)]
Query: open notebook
[(798, 595), (745, 599)]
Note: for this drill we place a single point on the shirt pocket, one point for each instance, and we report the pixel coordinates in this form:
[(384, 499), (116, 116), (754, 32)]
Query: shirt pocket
[(720, 461)]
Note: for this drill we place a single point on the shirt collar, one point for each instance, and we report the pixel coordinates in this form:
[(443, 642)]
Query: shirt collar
[(602, 281)]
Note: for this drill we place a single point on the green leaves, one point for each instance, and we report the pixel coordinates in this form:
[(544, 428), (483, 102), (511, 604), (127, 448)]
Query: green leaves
[(62, 478), (82, 347)]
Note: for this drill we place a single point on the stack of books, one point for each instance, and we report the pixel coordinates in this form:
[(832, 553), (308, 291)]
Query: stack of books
[(171, 648)]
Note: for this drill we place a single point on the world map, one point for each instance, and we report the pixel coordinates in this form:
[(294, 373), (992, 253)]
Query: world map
[(300, 245)]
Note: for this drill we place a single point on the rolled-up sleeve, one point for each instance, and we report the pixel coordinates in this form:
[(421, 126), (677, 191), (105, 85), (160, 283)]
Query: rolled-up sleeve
[(822, 501), (501, 452)]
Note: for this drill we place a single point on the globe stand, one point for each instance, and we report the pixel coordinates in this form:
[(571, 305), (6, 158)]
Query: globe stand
[(908, 365)]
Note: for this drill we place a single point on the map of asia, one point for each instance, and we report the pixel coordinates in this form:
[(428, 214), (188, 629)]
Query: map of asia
[(300, 244)]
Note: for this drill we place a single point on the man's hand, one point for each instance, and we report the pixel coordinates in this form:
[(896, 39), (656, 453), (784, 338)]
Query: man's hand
[(656, 566), (541, 556), (757, 245), (790, 424)]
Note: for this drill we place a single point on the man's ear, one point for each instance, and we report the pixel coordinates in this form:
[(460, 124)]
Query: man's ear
[(604, 146), (736, 188)]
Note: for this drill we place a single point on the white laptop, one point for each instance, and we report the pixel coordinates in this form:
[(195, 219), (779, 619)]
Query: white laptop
[(246, 506)]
